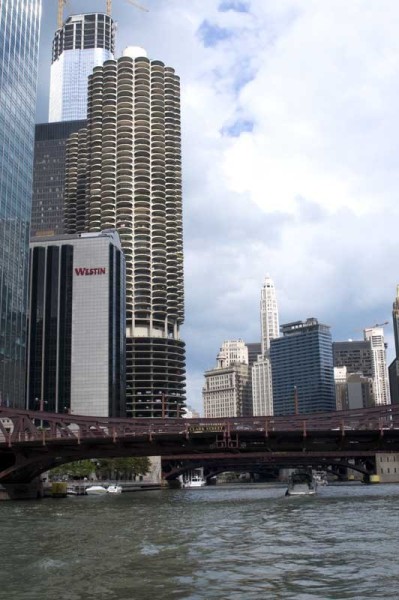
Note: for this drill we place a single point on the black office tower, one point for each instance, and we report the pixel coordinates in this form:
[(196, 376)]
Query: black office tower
[(49, 176)]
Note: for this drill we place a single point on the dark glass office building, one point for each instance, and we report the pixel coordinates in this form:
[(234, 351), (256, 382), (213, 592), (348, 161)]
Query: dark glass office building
[(49, 176), (302, 360), (254, 350), (19, 44), (355, 355), (76, 343)]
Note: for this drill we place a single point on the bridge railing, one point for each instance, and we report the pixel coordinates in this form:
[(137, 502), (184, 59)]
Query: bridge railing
[(20, 426)]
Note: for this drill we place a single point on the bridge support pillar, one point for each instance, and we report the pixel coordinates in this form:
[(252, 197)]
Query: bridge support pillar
[(174, 484), (22, 491)]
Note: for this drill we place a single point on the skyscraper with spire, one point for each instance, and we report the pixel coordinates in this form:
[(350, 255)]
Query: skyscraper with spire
[(268, 314), (262, 391)]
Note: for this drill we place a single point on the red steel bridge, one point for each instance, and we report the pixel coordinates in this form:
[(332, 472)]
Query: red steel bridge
[(32, 442)]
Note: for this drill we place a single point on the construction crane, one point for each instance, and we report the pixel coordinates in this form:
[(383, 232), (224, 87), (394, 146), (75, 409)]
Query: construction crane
[(62, 4), (378, 325)]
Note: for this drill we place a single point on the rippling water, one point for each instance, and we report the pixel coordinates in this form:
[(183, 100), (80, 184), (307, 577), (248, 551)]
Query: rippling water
[(239, 542)]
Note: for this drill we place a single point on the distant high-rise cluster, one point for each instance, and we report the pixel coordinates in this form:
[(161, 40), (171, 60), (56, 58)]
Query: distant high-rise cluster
[(303, 371)]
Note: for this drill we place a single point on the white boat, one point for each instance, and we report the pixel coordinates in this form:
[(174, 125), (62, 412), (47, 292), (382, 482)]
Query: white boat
[(301, 483), (114, 489), (320, 478), (96, 490), (194, 482)]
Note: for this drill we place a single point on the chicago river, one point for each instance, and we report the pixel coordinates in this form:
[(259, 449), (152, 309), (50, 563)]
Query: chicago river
[(236, 542)]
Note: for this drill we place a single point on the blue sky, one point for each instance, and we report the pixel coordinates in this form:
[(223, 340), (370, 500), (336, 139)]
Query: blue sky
[(290, 158)]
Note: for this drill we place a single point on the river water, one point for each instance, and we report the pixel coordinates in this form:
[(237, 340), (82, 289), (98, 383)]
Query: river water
[(238, 542)]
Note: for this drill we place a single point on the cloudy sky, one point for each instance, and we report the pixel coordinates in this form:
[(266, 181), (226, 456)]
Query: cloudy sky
[(290, 158)]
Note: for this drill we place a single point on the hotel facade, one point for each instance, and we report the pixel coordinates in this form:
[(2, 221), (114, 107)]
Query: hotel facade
[(76, 327)]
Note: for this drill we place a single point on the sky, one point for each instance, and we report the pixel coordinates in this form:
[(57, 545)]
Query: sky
[(290, 158)]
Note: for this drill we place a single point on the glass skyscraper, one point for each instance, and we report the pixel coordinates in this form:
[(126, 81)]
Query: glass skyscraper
[(19, 46), (82, 43), (302, 369)]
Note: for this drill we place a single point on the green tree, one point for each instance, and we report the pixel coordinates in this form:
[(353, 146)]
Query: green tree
[(79, 468), (123, 468)]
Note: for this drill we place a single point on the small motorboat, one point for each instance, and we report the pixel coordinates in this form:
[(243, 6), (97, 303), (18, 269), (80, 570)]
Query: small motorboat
[(96, 490), (194, 482), (301, 483), (114, 489), (320, 478)]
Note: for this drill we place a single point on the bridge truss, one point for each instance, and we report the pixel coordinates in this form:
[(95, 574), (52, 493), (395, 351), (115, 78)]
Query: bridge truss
[(32, 442)]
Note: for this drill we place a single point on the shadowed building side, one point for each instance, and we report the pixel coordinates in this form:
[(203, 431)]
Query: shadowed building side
[(49, 176), (394, 366)]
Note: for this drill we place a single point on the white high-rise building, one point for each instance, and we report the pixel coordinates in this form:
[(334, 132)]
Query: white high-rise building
[(375, 335), (83, 42), (262, 390), (268, 314), (231, 352)]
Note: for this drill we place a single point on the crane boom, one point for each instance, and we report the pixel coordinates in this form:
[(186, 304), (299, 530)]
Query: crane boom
[(62, 3), (377, 325), (60, 14), (137, 5)]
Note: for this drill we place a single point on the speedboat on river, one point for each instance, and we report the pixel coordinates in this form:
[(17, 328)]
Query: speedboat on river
[(114, 489), (194, 482), (301, 483), (96, 490)]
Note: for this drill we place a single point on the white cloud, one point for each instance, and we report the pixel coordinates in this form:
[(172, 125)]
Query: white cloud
[(310, 193)]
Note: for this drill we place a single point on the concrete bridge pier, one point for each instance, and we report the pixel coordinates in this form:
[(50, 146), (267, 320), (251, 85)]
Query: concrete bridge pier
[(30, 490)]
